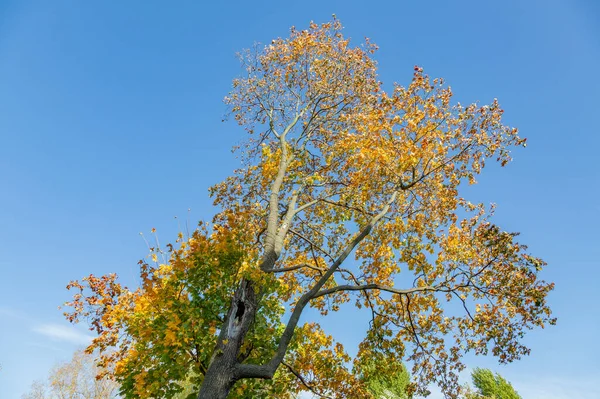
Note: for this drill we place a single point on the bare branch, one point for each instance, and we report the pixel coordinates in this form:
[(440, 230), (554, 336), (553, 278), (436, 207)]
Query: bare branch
[(303, 381), (271, 255), (295, 267), (374, 286), (312, 244)]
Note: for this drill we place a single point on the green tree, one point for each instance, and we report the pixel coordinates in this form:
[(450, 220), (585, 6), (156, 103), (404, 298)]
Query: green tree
[(386, 380), (491, 386)]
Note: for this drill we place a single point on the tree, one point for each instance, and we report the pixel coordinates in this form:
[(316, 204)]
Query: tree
[(75, 379), (492, 386), (386, 380), (333, 166), (38, 391)]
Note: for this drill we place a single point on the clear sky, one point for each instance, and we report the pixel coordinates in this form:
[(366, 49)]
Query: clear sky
[(110, 124)]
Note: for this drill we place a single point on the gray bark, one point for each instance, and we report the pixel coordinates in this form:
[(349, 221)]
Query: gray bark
[(222, 373)]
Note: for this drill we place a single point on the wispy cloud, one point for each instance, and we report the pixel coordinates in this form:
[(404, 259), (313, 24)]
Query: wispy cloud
[(6, 311), (46, 346), (9, 312), (63, 333)]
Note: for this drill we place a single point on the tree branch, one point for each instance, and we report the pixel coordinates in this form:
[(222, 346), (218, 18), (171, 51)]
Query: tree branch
[(268, 370), (295, 267), (299, 376), (374, 286), (312, 244)]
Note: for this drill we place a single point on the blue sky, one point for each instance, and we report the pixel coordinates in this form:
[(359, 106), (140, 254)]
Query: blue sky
[(110, 124)]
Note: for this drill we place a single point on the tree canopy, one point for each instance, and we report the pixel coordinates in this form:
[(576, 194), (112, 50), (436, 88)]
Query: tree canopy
[(492, 386), (346, 195), (391, 381)]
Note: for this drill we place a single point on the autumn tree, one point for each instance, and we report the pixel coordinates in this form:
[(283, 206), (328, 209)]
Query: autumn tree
[(75, 379), (345, 193)]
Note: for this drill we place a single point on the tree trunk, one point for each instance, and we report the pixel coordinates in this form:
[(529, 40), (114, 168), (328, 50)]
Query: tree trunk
[(218, 380), (222, 371)]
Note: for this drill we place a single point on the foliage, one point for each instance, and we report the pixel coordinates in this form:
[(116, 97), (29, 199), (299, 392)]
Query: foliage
[(386, 380), (333, 166), (75, 379), (492, 386), (171, 321)]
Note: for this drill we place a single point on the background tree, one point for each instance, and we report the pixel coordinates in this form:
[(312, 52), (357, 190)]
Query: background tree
[(75, 379), (386, 380), (491, 386), (333, 166), (38, 391)]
